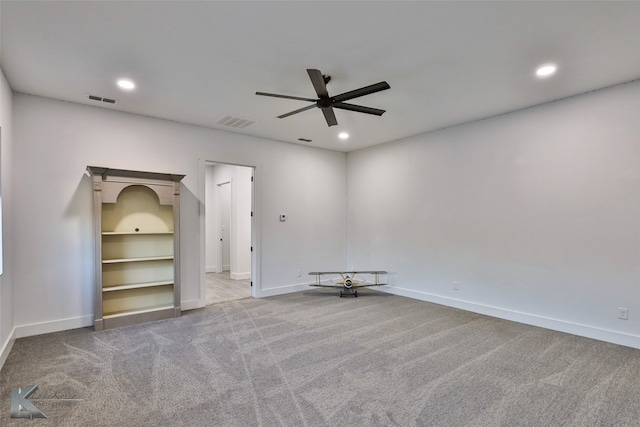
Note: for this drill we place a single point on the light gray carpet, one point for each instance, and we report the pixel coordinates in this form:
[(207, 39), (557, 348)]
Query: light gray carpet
[(313, 359)]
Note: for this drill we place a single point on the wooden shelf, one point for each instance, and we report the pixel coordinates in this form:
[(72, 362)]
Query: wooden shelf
[(134, 233), (141, 259), (140, 311), (136, 286)]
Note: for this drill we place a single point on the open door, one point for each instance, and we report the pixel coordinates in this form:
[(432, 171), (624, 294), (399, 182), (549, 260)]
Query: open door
[(224, 227)]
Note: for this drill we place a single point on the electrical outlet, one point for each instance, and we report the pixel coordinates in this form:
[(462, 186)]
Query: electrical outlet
[(455, 286), (623, 313)]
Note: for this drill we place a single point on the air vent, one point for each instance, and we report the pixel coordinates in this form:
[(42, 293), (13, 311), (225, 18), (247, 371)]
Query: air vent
[(234, 122), (101, 99)]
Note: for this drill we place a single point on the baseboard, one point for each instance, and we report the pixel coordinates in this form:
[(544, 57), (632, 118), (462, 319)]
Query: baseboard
[(281, 290), (192, 304), (586, 331), (63, 325), (211, 269), (53, 326), (240, 276), (6, 347)]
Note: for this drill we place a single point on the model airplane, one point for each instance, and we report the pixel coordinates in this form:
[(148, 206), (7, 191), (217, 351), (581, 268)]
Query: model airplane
[(347, 281)]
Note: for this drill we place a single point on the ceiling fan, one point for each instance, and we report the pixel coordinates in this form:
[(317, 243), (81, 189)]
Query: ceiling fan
[(327, 103)]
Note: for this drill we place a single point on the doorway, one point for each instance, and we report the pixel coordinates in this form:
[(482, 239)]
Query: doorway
[(228, 232)]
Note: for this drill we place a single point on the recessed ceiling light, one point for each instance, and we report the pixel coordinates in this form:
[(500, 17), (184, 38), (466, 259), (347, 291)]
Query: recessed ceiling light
[(126, 84), (343, 135), (546, 70)]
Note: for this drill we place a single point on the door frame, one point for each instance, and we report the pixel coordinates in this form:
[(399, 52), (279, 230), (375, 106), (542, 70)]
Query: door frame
[(256, 276)]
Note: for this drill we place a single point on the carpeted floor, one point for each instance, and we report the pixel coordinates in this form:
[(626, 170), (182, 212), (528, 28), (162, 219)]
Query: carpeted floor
[(313, 359)]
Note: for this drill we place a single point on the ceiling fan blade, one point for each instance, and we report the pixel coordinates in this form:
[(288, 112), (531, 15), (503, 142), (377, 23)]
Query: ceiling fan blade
[(300, 110), (318, 83), (275, 95), (358, 108), (367, 90), (329, 116)]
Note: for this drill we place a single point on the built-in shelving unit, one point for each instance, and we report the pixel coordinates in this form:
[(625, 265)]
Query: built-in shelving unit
[(136, 218)]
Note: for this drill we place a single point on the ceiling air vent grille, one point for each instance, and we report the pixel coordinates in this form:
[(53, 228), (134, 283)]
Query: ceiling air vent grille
[(99, 98), (234, 122)]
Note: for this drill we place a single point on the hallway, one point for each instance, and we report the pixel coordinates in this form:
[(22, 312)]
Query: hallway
[(220, 288)]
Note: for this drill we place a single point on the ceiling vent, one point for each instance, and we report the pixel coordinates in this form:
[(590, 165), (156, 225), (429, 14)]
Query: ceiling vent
[(234, 122), (101, 99)]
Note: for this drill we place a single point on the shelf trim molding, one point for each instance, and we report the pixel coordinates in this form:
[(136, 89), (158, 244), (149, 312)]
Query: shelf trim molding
[(137, 259), (136, 286)]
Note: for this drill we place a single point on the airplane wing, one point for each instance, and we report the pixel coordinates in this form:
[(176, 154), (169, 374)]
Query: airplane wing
[(346, 280), (315, 273)]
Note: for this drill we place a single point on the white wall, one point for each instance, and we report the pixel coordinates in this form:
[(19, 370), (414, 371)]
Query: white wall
[(536, 214), (240, 180), (53, 260), (6, 165)]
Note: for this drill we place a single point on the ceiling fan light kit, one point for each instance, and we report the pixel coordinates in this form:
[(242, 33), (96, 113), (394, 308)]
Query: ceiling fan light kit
[(327, 103)]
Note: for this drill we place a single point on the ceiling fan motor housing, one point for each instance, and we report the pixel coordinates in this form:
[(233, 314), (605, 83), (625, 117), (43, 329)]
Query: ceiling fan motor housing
[(324, 103)]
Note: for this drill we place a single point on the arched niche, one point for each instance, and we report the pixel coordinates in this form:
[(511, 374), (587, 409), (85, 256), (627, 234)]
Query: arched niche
[(137, 208)]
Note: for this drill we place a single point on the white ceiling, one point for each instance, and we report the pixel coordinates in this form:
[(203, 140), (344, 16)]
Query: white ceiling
[(446, 62)]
